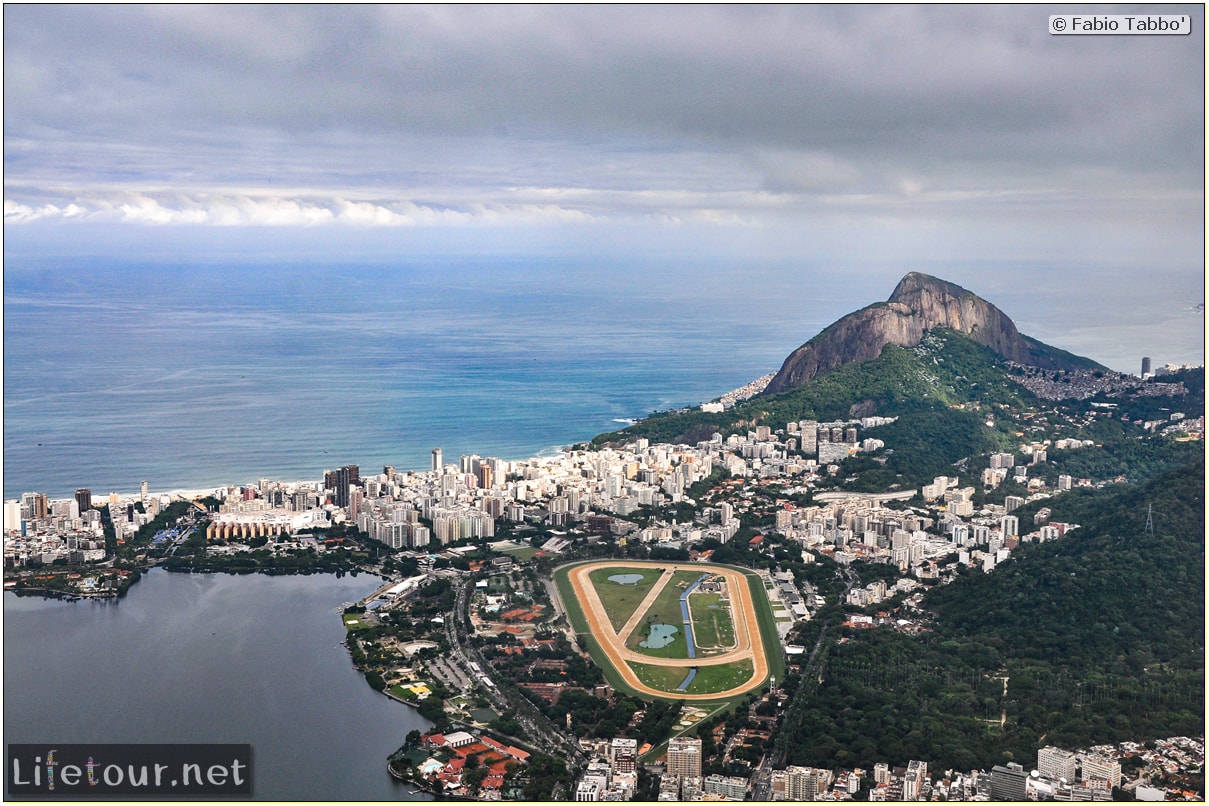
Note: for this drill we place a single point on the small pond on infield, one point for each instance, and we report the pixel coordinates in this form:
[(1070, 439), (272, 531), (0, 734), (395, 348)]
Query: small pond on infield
[(627, 579), (661, 635)]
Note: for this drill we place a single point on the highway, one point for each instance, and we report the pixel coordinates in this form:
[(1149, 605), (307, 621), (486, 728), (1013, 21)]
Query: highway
[(541, 732)]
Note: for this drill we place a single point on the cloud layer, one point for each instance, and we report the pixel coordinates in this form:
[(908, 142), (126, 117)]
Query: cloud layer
[(766, 116)]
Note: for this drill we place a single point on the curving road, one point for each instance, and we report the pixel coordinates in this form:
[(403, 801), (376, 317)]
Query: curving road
[(748, 645)]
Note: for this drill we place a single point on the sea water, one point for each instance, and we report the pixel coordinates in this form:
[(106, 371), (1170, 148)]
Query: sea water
[(194, 376), (199, 374)]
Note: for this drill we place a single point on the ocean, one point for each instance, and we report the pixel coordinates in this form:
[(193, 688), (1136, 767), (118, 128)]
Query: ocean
[(193, 375)]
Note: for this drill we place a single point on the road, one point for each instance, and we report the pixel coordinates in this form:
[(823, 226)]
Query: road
[(541, 732)]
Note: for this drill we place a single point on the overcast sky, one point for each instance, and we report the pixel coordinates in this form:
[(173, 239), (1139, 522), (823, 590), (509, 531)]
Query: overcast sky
[(941, 131)]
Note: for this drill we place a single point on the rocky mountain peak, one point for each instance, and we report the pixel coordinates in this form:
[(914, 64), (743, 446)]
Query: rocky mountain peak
[(919, 303)]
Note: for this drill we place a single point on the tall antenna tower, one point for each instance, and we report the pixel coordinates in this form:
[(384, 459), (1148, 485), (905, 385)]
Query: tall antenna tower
[(1150, 520)]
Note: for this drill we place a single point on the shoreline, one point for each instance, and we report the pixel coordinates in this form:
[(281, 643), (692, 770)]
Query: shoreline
[(195, 492)]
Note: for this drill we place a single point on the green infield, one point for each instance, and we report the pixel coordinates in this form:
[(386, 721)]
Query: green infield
[(706, 680), (621, 589), (660, 678), (664, 612), (596, 605), (713, 624), (660, 640)]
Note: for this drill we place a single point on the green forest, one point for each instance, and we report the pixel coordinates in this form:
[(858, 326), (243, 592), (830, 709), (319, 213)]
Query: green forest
[(1093, 638), (945, 369)]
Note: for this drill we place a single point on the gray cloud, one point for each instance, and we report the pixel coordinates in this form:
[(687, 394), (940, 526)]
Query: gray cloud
[(447, 114)]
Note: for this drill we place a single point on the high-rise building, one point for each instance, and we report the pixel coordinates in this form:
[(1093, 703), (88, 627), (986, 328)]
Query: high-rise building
[(1056, 763), (623, 754), (916, 776), (338, 481), (805, 783), (437, 461), (684, 756), (1009, 783), (12, 515), (1145, 365), (810, 436), (84, 499), (356, 498), (1002, 460), (1101, 772)]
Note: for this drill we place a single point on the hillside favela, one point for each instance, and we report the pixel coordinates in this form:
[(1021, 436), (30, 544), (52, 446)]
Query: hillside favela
[(929, 558)]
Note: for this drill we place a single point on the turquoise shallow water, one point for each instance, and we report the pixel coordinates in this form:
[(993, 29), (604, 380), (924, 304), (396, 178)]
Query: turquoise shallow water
[(661, 635), (626, 579)]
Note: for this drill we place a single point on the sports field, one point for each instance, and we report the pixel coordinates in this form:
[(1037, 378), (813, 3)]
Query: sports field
[(686, 630)]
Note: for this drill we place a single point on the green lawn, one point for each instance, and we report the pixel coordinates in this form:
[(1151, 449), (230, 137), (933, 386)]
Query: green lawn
[(722, 677), (708, 680), (660, 678), (574, 611), (713, 624), (521, 554), (619, 600), (768, 628)]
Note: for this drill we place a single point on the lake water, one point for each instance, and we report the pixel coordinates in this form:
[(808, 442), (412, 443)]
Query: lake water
[(201, 658)]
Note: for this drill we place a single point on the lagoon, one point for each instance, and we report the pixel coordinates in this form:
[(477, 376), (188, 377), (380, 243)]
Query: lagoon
[(201, 658)]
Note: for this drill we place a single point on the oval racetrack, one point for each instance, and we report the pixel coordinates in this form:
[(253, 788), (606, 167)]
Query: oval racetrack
[(748, 644)]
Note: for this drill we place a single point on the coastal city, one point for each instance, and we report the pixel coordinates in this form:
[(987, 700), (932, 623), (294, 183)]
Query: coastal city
[(468, 627), (604, 403)]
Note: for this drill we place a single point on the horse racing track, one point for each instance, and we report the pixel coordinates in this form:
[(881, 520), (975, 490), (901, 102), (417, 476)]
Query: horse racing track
[(687, 631)]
